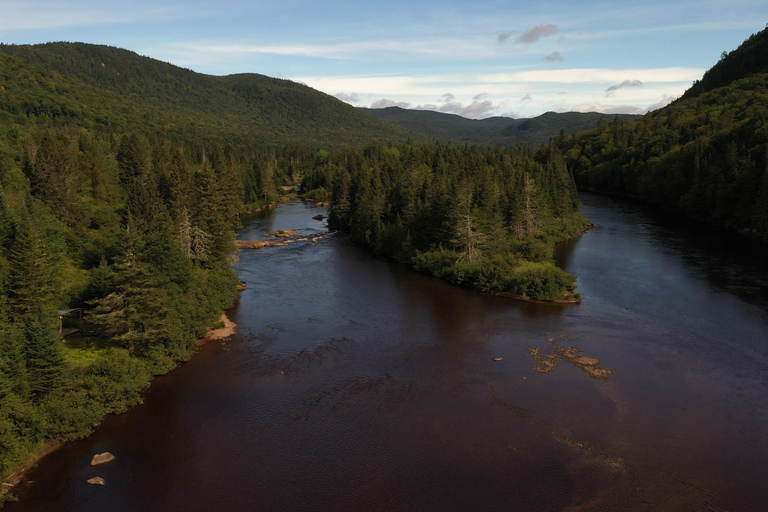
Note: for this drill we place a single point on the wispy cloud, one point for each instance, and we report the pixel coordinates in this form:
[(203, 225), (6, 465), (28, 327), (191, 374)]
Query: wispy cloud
[(623, 85), (526, 98), (449, 48), (607, 109), (503, 38), (32, 15), (473, 110), (348, 98), (554, 57), (596, 75), (385, 103), (536, 33)]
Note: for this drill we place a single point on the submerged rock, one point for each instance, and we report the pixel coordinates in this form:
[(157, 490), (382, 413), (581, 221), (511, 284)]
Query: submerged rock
[(102, 458), (97, 480), (318, 217), (498, 358)]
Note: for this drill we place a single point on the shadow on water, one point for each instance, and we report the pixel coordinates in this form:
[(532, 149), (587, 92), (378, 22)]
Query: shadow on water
[(728, 261)]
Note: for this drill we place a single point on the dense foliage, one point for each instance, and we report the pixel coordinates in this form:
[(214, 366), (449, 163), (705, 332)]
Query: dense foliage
[(120, 183), (706, 156), (139, 234), (493, 130), (477, 216), (109, 89)]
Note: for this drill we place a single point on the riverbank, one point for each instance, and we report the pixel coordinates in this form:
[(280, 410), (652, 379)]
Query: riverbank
[(223, 329)]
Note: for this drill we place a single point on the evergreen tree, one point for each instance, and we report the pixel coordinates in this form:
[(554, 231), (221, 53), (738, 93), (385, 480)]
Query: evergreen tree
[(12, 360), (44, 360)]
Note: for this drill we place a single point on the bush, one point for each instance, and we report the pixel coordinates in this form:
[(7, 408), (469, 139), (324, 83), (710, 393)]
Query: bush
[(541, 281)]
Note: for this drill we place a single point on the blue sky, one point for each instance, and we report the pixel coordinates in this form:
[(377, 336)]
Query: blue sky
[(476, 59)]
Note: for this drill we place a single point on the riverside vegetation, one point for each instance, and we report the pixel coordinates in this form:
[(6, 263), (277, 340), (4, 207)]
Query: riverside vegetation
[(121, 178), (705, 155), (120, 194)]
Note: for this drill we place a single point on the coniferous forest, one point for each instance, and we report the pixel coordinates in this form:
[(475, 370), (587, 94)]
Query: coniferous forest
[(121, 181), (705, 155), (110, 204)]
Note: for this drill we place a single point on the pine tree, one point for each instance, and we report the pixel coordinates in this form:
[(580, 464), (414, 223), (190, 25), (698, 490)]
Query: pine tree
[(12, 360), (31, 279), (135, 311), (44, 359), (526, 220)]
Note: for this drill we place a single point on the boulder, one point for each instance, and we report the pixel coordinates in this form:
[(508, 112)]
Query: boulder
[(498, 359), (102, 458), (318, 217), (97, 480)]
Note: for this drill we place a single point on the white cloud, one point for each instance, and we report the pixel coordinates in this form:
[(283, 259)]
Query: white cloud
[(473, 110), (666, 100), (348, 98), (384, 103), (607, 109)]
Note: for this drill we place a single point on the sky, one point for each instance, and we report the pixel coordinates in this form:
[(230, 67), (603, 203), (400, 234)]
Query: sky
[(475, 59)]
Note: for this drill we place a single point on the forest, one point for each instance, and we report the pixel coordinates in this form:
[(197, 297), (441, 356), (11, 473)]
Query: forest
[(112, 205), (705, 155), (477, 216), (121, 181)]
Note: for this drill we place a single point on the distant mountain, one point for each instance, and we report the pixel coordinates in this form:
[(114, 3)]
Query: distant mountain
[(494, 130), (123, 88)]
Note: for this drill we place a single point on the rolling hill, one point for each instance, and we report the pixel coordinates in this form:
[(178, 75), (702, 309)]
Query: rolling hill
[(705, 155), (123, 88), (494, 130)]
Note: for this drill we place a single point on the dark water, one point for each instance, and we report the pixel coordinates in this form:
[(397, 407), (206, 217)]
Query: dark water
[(355, 384)]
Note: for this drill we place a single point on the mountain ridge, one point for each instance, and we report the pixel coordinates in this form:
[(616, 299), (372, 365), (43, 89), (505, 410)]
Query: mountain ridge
[(247, 106), (494, 130)]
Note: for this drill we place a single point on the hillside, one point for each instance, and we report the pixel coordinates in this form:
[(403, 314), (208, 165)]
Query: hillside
[(750, 58), (493, 130), (123, 87), (705, 155)]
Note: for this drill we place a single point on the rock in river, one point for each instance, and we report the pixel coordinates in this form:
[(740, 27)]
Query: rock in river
[(97, 480), (102, 458)]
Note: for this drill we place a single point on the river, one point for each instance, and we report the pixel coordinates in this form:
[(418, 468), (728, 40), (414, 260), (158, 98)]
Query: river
[(354, 383)]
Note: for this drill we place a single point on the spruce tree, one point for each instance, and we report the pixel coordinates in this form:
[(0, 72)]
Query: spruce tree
[(44, 360)]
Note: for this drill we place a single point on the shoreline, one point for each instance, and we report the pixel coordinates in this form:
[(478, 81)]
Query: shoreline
[(221, 333), (10, 481)]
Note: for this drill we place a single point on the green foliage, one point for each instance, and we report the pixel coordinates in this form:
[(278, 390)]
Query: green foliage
[(704, 156), (469, 215), (109, 89)]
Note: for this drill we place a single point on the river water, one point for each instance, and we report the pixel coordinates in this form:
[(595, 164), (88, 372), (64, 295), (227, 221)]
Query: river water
[(354, 383)]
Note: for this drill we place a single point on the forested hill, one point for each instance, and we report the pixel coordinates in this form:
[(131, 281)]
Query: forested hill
[(494, 130), (705, 155), (123, 88), (750, 58)]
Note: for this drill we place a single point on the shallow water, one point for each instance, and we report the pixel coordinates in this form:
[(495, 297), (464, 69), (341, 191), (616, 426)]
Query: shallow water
[(354, 383)]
